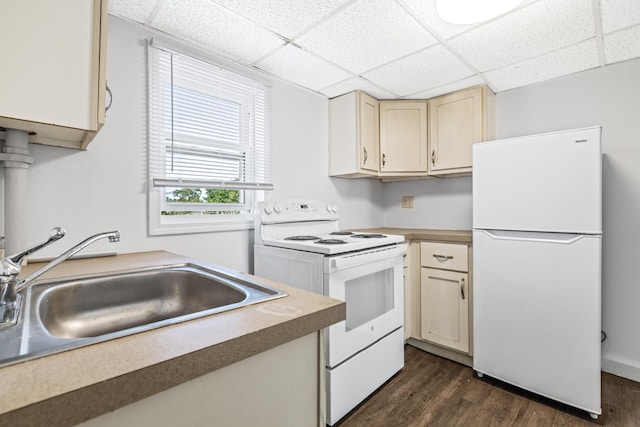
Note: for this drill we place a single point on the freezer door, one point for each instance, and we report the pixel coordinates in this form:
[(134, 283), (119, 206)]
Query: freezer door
[(536, 313), (550, 182)]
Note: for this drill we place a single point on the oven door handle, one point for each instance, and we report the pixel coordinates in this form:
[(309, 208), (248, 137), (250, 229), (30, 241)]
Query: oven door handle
[(366, 257)]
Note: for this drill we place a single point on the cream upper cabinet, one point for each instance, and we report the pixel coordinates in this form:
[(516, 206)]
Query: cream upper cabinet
[(400, 139), (52, 81), (403, 138), (445, 295), (456, 121), (354, 135)]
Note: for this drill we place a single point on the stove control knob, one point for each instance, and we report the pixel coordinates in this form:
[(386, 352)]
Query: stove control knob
[(277, 209), (267, 209)]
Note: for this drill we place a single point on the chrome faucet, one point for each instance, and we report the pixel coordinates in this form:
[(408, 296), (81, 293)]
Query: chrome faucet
[(11, 286)]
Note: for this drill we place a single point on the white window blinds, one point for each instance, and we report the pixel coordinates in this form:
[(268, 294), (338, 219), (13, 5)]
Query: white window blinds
[(208, 127)]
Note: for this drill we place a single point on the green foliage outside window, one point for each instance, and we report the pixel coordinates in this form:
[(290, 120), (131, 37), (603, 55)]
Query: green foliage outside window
[(195, 195)]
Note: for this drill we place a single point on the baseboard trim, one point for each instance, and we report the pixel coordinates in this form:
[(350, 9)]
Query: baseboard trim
[(621, 368), (464, 359)]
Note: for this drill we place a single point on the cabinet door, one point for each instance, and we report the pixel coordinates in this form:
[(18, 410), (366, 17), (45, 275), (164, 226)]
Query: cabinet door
[(456, 121), (403, 136), (444, 308), (54, 84), (368, 128)]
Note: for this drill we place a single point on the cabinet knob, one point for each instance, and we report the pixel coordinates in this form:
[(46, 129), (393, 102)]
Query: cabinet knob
[(462, 288), (366, 156)]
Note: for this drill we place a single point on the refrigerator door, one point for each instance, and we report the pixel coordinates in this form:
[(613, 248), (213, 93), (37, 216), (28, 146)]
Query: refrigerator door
[(550, 182), (537, 314)]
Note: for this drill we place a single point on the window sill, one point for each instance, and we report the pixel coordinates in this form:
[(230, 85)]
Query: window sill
[(211, 227)]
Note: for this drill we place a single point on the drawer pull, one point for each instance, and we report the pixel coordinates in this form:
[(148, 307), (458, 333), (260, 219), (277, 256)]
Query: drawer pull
[(462, 288), (443, 279), (442, 257)]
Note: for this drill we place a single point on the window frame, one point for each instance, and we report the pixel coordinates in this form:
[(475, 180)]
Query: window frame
[(251, 192)]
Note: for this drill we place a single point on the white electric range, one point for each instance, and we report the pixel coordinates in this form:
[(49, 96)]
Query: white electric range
[(299, 243)]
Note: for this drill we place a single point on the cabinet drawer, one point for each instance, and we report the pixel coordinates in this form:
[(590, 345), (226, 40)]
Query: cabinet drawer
[(447, 256)]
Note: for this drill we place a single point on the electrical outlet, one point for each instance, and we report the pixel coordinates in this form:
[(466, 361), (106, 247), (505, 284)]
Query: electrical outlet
[(407, 201)]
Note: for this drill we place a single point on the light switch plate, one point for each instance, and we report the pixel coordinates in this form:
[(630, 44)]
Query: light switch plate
[(407, 201)]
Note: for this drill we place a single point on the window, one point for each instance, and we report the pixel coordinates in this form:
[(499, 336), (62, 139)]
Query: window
[(209, 144)]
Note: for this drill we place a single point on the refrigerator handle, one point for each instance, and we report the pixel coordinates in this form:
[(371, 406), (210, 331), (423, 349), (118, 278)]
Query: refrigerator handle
[(533, 236)]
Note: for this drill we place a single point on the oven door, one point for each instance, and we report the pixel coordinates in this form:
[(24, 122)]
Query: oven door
[(371, 284)]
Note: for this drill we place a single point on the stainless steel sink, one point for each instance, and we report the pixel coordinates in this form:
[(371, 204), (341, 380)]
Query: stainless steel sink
[(93, 307), (80, 311)]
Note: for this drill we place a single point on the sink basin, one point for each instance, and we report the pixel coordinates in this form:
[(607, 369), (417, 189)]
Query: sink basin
[(75, 312), (103, 305)]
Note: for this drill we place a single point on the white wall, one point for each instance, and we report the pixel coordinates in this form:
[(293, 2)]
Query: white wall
[(301, 159), (609, 97), (443, 203), (104, 188)]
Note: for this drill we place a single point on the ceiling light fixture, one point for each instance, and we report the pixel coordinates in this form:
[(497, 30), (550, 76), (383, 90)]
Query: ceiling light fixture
[(464, 12)]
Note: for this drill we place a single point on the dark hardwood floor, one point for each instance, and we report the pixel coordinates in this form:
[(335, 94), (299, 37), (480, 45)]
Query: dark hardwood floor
[(432, 391)]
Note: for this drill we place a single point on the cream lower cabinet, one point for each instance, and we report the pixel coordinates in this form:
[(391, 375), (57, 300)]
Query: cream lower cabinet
[(445, 295), (52, 78), (457, 121), (251, 392), (403, 138)]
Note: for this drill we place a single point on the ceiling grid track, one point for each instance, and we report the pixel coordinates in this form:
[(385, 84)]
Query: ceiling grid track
[(597, 22)]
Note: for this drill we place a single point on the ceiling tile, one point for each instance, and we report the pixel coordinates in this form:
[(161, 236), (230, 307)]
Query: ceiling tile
[(357, 83), (303, 68), (425, 11), (536, 29), (448, 88), (214, 27), (579, 57), (424, 70), (622, 45), (285, 17), (617, 14), (138, 10), (367, 34)]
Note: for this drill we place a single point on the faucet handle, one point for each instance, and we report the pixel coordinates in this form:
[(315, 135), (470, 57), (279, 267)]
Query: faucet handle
[(56, 234)]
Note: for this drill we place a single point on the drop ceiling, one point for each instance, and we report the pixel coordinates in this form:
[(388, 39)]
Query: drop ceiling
[(399, 48)]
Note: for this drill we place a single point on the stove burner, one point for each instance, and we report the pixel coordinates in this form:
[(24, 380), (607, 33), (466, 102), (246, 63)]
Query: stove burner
[(298, 238), (368, 236), (331, 242), (342, 233)]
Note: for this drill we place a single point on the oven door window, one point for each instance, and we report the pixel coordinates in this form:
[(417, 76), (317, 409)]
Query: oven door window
[(374, 293), (368, 297)]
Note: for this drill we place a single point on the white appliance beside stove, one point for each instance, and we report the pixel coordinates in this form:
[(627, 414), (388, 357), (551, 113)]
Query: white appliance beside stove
[(299, 243)]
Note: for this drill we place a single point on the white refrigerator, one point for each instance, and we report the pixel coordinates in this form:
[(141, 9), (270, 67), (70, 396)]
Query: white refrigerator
[(537, 239)]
